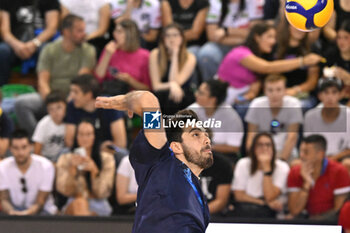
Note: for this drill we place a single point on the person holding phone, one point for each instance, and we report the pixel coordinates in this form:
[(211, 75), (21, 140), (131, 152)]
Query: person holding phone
[(86, 175), (123, 65)]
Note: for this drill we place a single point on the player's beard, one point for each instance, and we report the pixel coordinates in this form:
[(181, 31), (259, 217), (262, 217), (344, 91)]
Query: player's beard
[(202, 159)]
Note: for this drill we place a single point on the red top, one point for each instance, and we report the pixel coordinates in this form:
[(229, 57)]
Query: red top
[(333, 181), (133, 63), (344, 217)]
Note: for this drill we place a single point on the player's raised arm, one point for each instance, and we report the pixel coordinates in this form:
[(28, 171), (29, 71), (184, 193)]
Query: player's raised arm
[(136, 102)]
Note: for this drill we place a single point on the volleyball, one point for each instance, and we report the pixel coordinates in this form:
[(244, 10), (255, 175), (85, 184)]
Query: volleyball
[(308, 15)]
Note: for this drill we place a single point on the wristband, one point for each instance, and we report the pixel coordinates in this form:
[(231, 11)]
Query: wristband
[(268, 173), (37, 42)]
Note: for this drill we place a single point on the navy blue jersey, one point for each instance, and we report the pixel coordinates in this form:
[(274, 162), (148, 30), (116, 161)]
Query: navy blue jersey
[(102, 118), (166, 201)]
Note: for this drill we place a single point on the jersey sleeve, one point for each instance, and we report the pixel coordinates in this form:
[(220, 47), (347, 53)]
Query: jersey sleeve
[(143, 156), (295, 181), (342, 181)]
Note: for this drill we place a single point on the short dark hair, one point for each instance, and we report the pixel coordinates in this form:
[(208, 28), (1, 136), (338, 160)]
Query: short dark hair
[(68, 21), (87, 83), (174, 134), (317, 140), (325, 83), (218, 89), (54, 97), (345, 26), (19, 134)]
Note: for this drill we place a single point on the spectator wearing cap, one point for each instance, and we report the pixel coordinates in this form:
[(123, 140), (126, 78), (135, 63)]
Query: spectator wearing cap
[(338, 58), (318, 185), (330, 119)]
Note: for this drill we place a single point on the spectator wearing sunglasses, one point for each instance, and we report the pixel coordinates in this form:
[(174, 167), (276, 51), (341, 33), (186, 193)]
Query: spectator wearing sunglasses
[(26, 180), (277, 113)]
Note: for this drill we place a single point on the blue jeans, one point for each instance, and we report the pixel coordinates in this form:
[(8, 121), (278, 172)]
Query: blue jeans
[(7, 58), (29, 108), (210, 57)]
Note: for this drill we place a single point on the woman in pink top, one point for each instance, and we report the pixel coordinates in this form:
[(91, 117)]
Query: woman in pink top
[(123, 65), (242, 64)]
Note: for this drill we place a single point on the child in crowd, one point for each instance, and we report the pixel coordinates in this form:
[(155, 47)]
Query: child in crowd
[(48, 136)]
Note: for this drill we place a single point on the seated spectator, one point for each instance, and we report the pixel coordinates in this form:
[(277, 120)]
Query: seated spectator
[(344, 217), (171, 68), (49, 134), (191, 15), (209, 104), (146, 14), (96, 14), (6, 128), (260, 180), (242, 64), (330, 119), (58, 63), (293, 43), (318, 184), (26, 180), (274, 13), (215, 183), (123, 65), (228, 24), (109, 124), (126, 187), (86, 175), (338, 58), (278, 114), (22, 37), (341, 13)]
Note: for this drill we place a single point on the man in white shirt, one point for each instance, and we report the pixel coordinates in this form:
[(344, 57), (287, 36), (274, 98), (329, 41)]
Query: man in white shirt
[(276, 113), (210, 105), (26, 180)]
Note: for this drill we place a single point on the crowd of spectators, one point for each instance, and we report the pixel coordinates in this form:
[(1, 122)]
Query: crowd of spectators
[(283, 96)]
